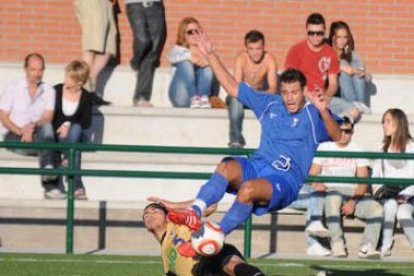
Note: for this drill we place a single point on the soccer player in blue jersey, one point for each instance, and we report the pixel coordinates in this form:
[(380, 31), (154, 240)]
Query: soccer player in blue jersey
[(270, 179)]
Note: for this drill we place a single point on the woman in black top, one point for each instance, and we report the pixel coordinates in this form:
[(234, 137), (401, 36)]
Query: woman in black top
[(73, 113)]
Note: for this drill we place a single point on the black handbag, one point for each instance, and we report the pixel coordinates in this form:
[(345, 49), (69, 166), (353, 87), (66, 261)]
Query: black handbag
[(388, 191)]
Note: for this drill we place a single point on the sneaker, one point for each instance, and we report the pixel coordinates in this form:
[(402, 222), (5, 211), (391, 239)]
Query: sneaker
[(318, 250), (235, 145), (49, 178), (205, 102), (186, 217), (363, 107), (367, 252), (142, 103), (186, 250), (55, 194), (195, 102), (80, 194), (385, 252), (338, 249), (316, 229)]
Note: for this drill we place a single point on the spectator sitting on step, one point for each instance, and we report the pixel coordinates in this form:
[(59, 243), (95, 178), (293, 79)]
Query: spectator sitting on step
[(397, 200), (346, 199), (319, 62), (353, 75), (192, 79), (73, 114), (26, 112), (258, 68)]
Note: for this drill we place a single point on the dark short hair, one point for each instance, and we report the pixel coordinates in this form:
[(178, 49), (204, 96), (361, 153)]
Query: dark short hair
[(315, 19), (346, 121), (291, 75), (157, 205), (254, 36), (29, 56)]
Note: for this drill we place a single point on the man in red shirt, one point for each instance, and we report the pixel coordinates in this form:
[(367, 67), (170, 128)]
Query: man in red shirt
[(320, 64)]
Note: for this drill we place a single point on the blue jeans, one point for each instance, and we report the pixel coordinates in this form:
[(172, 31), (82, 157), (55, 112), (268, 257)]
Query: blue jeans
[(189, 80), (314, 206), (149, 32), (42, 134), (74, 136), (367, 209), (352, 87), (236, 116)]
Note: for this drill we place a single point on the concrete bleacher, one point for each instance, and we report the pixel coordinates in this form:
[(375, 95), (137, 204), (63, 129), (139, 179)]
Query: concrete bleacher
[(162, 125)]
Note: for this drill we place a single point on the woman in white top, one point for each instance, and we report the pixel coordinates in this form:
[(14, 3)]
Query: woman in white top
[(397, 139)]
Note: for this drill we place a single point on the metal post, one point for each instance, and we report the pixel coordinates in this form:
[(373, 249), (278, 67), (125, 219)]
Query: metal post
[(248, 237), (70, 203)]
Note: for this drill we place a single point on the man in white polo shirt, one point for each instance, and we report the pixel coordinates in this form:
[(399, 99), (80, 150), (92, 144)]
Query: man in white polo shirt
[(26, 112)]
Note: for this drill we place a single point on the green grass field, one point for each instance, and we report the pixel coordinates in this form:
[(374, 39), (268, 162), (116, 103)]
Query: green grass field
[(77, 265)]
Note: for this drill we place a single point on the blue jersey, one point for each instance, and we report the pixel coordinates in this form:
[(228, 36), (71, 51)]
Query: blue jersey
[(288, 141)]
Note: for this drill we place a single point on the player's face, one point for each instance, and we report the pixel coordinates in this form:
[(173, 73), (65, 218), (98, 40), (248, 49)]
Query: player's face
[(388, 125), (293, 96), (346, 134), (255, 51), (341, 39), (154, 218), (190, 31), (34, 70), (315, 34)]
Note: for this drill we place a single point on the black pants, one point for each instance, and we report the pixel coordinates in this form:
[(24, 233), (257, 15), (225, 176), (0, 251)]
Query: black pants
[(148, 25)]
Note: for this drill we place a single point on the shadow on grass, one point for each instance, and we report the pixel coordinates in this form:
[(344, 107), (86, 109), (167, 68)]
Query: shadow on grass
[(347, 272)]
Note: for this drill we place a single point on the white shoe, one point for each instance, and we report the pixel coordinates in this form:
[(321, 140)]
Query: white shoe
[(318, 250), (195, 102), (385, 252), (55, 194), (316, 229), (205, 102), (363, 107), (338, 249), (368, 252)]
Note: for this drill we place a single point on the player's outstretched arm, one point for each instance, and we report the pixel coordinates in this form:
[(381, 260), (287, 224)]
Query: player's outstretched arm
[(181, 204), (321, 102), (228, 82)]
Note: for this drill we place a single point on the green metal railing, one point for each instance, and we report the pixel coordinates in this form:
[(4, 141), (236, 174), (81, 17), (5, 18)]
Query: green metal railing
[(70, 171)]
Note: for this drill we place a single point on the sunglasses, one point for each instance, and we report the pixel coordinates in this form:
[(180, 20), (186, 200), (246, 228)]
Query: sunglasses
[(312, 33), (191, 31), (347, 131)]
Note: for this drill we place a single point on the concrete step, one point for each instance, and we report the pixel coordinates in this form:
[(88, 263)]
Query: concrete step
[(118, 83), (117, 227), (157, 126)]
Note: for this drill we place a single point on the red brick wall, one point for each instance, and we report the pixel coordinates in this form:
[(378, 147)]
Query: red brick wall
[(383, 29)]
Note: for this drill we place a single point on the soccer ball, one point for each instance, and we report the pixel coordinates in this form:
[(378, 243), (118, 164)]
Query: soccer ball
[(208, 240)]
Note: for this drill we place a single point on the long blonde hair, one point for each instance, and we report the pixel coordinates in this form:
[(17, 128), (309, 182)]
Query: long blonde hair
[(402, 133), (181, 39)]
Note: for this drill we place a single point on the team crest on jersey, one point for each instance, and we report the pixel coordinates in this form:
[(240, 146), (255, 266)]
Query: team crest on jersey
[(295, 122), (324, 65)]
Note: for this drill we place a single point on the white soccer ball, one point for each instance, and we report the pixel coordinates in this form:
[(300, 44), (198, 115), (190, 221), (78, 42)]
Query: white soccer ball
[(208, 240)]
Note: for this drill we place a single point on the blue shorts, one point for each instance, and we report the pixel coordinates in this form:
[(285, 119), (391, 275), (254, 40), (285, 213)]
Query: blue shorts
[(282, 195)]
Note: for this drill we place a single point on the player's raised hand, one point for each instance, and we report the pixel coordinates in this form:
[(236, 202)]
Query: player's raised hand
[(203, 42), (319, 99), (161, 200)]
